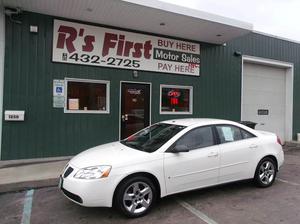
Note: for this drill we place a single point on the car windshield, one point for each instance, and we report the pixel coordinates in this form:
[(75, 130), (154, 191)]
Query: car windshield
[(152, 137)]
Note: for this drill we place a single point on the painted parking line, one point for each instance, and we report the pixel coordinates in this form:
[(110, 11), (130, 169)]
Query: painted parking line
[(196, 212), (27, 207), (288, 182)]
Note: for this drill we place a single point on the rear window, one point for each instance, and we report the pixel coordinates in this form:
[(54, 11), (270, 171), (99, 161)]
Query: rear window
[(229, 133), (246, 134)]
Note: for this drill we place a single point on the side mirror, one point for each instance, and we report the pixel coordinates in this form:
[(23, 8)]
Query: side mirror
[(180, 148)]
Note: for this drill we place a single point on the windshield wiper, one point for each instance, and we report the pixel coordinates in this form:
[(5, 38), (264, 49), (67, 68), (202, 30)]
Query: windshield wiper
[(129, 144)]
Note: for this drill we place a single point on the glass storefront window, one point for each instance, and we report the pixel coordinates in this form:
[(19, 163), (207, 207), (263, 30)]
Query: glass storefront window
[(87, 96), (176, 99)]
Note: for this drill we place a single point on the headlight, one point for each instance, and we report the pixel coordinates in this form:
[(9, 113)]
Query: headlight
[(93, 172)]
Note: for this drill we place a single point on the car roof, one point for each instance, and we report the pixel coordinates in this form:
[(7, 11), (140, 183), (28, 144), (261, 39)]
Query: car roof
[(198, 121)]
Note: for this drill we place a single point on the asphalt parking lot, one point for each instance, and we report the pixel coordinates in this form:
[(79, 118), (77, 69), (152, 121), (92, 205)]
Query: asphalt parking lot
[(232, 203)]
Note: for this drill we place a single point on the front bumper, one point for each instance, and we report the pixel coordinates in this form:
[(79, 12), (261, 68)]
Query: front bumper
[(90, 193)]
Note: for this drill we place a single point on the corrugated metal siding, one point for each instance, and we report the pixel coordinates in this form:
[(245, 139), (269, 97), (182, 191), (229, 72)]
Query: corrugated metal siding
[(220, 84), (47, 131), (268, 47)]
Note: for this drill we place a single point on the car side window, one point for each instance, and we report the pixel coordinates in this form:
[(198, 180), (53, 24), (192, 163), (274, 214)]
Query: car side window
[(197, 138), (228, 133), (247, 134)]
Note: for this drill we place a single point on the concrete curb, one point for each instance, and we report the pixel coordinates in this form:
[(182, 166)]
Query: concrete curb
[(24, 162), (33, 175), (289, 148), (22, 186)]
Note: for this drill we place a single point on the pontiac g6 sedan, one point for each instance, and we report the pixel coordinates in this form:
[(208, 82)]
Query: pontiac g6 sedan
[(167, 158)]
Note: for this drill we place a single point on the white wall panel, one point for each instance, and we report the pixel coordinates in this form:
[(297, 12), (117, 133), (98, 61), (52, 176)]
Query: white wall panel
[(264, 87)]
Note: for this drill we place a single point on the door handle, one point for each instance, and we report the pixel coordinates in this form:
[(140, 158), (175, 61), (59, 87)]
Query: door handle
[(253, 146), (124, 117), (213, 154)]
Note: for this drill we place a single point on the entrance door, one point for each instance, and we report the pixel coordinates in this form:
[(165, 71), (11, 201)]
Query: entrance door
[(135, 108)]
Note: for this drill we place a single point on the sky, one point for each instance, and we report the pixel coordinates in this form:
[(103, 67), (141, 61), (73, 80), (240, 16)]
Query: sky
[(276, 17)]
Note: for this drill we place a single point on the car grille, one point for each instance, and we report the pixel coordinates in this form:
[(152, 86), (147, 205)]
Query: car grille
[(72, 196), (68, 171)]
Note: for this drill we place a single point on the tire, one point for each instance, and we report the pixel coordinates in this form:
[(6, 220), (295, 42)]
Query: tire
[(135, 196), (265, 173)]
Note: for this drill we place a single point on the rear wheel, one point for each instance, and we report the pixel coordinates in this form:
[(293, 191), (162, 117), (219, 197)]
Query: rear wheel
[(135, 196), (265, 172)]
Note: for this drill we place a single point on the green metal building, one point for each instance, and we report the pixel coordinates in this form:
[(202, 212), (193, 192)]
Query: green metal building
[(71, 80)]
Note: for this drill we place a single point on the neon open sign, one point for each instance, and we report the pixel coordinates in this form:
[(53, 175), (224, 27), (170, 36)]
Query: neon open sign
[(174, 95)]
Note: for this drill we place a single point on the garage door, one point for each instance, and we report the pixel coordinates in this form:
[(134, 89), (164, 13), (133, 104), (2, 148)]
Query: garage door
[(263, 93)]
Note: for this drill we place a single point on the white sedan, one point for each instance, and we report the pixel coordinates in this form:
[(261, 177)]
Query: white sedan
[(167, 158)]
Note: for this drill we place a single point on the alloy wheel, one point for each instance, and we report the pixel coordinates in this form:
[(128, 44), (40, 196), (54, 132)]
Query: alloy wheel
[(266, 172), (137, 197)]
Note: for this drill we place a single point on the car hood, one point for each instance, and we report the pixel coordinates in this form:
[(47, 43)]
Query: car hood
[(114, 154)]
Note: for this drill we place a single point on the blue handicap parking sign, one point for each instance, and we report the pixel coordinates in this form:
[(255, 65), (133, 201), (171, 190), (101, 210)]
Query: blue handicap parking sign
[(59, 89)]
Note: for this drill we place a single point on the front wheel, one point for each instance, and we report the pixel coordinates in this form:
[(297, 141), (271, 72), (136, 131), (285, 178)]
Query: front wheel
[(265, 172), (135, 196)]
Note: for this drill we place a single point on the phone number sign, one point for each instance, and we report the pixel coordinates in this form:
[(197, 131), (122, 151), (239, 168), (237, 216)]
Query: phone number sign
[(92, 45)]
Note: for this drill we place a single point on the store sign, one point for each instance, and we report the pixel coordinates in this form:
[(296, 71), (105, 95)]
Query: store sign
[(91, 45)]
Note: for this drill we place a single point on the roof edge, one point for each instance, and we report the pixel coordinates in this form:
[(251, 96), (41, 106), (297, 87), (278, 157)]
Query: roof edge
[(276, 37), (189, 12)]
